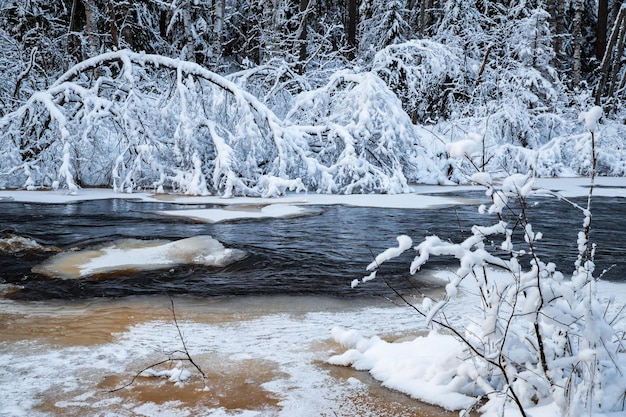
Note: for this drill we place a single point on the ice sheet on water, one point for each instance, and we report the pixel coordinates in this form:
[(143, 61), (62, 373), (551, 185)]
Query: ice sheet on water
[(134, 254)]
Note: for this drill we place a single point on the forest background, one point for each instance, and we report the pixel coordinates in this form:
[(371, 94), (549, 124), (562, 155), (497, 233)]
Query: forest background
[(377, 89)]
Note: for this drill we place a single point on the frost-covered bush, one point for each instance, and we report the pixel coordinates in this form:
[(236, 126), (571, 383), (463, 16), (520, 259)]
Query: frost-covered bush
[(566, 152), (274, 84), (519, 91), (424, 74), (541, 338), (362, 137), (500, 80), (523, 108), (137, 121)]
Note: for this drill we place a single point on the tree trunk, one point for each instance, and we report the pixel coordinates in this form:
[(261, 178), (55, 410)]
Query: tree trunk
[(74, 16), (619, 54), (424, 5), (190, 54), (91, 36), (73, 41), (351, 26), (577, 42), (301, 35), (560, 31), (114, 34), (218, 30), (601, 29), (618, 27), (551, 9), (269, 37), (414, 27)]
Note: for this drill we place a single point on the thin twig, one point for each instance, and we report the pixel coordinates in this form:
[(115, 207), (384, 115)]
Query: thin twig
[(187, 357)]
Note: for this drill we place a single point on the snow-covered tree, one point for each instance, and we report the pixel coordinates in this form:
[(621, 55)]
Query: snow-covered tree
[(201, 133), (383, 24), (462, 25), (363, 138), (425, 75), (151, 122), (34, 45)]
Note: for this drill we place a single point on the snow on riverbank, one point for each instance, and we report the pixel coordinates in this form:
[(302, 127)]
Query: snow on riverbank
[(262, 356), (279, 353), (421, 196), (427, 366)]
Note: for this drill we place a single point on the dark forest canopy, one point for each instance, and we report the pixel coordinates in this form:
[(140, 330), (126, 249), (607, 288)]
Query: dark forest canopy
[(579, 41)]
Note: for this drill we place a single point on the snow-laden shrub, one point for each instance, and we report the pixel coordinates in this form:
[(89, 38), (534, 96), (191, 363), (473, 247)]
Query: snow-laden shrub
[(522, 107), (572, 154), (517, 91), (567, 153), (275, 84), (137, 121), (361, 136), (500, 82), (540, 338), (424, 74)]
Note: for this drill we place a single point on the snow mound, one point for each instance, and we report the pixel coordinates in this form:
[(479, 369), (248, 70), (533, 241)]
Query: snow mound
[(139, 255), (423, 368)]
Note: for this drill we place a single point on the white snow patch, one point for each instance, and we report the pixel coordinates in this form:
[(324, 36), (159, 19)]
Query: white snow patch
[(417, 367), (591, 118), (238, 212), (465, 148), (420, 196)]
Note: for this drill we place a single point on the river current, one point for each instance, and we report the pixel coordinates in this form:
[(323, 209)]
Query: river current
[(317, 254)]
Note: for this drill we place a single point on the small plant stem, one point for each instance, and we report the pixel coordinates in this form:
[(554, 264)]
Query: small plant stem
[(182, 340), (187, 357)]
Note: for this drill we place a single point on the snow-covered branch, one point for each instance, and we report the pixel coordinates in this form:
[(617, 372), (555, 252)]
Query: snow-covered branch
[(140, 121)]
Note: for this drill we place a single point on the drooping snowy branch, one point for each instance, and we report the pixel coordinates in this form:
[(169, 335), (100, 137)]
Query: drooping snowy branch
[(138, 121), (363, 138)]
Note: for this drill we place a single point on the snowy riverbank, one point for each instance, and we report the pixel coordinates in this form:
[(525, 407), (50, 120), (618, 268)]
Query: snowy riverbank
[(264, 356)]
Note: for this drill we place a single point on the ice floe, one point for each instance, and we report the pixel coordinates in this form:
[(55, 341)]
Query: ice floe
[(139, 255)]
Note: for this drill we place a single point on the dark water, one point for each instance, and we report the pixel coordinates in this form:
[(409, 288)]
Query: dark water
[(319, 254)]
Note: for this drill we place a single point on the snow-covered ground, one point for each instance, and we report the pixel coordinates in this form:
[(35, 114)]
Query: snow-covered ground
[(262, 356), (268, 354)]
